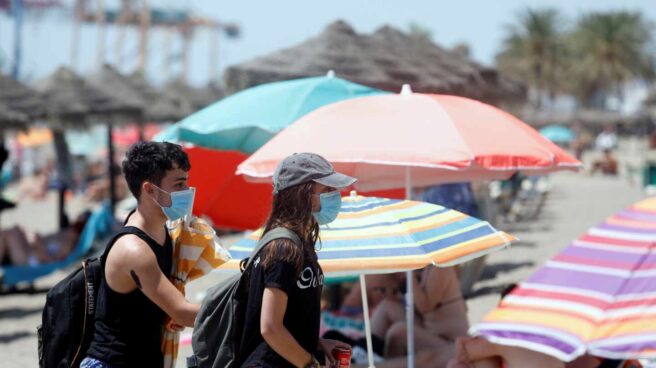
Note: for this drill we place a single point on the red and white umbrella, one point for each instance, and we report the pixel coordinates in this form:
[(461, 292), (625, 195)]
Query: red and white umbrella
[(438, 138)]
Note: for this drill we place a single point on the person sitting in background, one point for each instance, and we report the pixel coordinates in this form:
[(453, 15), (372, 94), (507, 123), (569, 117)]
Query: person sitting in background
[(477, 352), (98, 189), (379, 288), (456, 196), (441, 314), (16, 249), (606, 140), (607, 165), (342, 324), (36, 187)]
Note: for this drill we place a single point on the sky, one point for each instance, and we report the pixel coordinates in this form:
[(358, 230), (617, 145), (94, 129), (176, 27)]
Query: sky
[(270, 25)]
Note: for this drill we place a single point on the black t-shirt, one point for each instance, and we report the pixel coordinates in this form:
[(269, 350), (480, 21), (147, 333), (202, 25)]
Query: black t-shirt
[(302, 316)]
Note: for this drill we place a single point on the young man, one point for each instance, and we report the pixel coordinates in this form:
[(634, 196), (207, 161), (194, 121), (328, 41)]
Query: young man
[(135, 294)]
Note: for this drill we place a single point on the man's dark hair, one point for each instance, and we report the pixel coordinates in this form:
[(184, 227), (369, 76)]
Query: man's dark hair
[(149, 161)]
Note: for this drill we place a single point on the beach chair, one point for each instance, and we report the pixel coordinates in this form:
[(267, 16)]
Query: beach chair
[(100, 225), (5, 177)]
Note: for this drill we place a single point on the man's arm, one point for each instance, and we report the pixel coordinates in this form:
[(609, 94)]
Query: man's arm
[(131, 264)]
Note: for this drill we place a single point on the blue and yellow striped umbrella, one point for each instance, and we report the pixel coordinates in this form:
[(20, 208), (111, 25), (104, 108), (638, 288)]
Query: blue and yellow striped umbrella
[(380, 235)]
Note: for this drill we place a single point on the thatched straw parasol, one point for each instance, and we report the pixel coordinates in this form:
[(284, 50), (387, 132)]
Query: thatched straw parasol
[(651, 98), (160, 107), (11, 119), (20, 98), (190, 98), (593, 120), (135, 91), (72, 102), (386, 59)]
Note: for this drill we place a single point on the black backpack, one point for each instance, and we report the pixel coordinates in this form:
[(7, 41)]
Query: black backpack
[(68, 318), (220, 321)]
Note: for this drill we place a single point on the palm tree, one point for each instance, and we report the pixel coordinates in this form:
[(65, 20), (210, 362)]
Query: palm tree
[(533, 51), (420, 31), (609, 50)]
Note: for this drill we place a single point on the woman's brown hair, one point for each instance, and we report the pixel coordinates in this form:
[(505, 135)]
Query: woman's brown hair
[(292, 209)]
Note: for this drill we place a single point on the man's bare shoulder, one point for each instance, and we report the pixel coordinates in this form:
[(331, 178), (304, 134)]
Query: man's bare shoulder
[(132, 251)]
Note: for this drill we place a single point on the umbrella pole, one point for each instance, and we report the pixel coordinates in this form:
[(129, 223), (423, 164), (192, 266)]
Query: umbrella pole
[(64, 174), (409, 295), (367, 322), (141, 124)]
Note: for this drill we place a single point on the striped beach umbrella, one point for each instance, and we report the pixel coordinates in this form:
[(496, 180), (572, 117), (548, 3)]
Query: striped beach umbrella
[(598, 296), (379, 235)]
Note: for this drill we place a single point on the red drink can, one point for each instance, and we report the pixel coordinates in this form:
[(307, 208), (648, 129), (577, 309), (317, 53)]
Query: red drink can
[(342, 358)]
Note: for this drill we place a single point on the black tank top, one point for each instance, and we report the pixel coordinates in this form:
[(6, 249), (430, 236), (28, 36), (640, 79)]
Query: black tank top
[(128, 327)]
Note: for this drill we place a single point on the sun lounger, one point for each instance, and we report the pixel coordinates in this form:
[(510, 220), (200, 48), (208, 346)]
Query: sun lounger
[(100, 225)]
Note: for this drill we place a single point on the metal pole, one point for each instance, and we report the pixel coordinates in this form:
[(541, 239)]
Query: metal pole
[(17, 10), (101, 23), (110, 160), (75, 35), (144, 29), (62, 220), (168, 52), (64, 174), (367, 323), (214, 52), (186, 43), (409, 295), (123, 17), (141, 126)]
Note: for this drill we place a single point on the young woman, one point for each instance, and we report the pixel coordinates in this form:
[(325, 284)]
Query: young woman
[(284, 305)]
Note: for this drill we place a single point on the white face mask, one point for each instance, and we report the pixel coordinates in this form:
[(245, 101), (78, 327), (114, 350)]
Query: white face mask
[(182, 203)]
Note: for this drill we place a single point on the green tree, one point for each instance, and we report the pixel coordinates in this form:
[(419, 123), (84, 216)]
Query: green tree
[(533, 52), (609, 49), (462, 49)]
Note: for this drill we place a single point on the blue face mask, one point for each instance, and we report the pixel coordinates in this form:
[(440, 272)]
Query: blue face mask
[(182, 202), (331, 203)]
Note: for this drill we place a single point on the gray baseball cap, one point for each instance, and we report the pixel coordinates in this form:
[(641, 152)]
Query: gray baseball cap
[(301, 168)]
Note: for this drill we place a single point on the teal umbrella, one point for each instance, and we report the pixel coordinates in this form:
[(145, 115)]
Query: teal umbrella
[(248, 119), (558, 133)]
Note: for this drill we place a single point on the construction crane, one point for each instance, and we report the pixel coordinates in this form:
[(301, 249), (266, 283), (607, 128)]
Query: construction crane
[(17, 8), (138, 13)]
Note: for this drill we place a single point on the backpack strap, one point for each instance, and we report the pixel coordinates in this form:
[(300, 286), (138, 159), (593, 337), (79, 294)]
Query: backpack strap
[(273, 234), (125, 230), (127, 218)]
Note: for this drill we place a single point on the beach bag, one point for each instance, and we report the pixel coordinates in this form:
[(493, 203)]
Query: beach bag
[(68, 317), (220, 321), (197, 251)]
